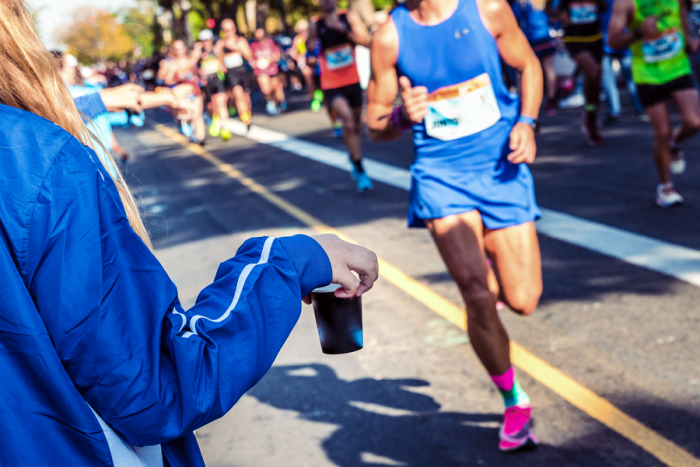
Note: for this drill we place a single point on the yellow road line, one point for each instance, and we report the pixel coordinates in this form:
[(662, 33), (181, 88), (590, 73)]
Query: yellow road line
[(566, 387)]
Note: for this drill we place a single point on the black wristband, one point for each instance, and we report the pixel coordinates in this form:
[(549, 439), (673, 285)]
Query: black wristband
[(636, 34)]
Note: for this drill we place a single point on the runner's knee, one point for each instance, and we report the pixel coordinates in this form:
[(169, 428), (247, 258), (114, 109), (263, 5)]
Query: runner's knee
[(692, 123), (477, 295), (524, 301)]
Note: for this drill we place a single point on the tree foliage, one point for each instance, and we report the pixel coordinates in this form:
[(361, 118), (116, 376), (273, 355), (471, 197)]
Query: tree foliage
[(96, 36), (139, 23)]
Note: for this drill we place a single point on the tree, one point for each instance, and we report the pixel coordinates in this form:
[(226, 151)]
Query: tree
[(139, 24), (96, 36)]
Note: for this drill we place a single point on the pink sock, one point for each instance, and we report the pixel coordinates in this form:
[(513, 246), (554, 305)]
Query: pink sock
[(505, 381)]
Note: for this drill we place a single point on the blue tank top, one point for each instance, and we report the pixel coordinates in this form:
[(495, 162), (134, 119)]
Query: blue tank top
[(471, 112), (534, 23)]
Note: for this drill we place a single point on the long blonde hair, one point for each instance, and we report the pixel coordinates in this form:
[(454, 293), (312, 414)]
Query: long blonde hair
[(30, 81)]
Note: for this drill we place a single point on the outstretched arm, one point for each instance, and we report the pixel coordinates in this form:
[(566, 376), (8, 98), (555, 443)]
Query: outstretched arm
[(153, 371), (516, 52)]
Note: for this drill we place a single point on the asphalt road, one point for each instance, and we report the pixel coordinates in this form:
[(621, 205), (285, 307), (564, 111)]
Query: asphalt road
[(416, 395)]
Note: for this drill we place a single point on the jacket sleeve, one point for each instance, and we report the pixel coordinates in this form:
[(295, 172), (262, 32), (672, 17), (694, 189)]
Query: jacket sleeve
[(90, 105), (153, 371)]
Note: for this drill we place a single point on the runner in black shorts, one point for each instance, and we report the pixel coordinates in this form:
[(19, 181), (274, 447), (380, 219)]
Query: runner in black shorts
[(234, 52), (584, 41), (658, 37), (652, 94), (338, 33), (352, 93), (210, 71)]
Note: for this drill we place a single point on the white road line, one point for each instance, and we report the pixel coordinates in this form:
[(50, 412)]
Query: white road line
[(657, 255)]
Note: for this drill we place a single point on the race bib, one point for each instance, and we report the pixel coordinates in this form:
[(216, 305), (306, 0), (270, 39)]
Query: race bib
[(262, 63), (210, 65), (339, 57), (662, 48), (233, 60), (583, 12), (462, 110)]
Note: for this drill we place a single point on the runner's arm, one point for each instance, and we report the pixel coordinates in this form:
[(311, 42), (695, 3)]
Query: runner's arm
[(358, 31), (516, 52), (619, 35), (219, 52), (311, 39), (245, 49), (383, 84), (691, 40)]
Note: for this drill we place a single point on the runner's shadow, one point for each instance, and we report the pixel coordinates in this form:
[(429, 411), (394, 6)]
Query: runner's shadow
[(386, 422)]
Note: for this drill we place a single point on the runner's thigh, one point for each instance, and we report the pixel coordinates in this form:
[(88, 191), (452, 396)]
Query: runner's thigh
[(688, 105), (460, 241), (515, 253), (587, 62), (342, 109)]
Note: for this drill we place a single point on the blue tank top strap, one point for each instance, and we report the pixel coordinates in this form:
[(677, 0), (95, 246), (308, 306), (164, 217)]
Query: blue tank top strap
[(471, 111)]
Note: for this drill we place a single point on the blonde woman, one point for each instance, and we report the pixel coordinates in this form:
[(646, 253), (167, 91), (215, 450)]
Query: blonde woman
[(101, 366)]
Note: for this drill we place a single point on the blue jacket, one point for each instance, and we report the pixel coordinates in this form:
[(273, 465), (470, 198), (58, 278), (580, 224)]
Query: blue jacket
[(97, 357)]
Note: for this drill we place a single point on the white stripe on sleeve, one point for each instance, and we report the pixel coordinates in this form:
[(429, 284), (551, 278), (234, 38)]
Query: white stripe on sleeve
[(239, 289)]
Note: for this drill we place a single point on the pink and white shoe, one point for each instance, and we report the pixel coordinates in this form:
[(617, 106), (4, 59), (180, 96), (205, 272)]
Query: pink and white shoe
[(516, 431)]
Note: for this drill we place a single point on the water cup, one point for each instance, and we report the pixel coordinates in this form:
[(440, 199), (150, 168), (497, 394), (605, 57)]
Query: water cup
[(339, 320)]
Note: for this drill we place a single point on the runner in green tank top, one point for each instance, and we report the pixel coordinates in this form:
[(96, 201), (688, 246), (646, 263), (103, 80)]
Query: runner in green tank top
[(660, 58), (657, 33)]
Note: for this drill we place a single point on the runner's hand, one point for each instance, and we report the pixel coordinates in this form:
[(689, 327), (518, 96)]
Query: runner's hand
[(122, 97), (415, 100), (693, 44), (346, 257), (522, 143), (649, 26)]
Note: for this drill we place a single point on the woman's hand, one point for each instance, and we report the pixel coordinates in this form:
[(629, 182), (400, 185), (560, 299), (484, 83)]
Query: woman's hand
[(122, 97), (346, 257)]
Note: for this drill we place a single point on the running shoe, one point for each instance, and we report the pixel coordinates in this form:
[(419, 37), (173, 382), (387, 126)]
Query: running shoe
[(185, 128), (363, 181), (677, 162), (642, 116), (516, 431), (317, 100), (137, 119), (283, 106), (589, 127), (225, 134), (271, 108), (215, 127), (572, 101), (195, 140), (337, 130), (550, 109), (247, 119), (667, 196), (612, 121)]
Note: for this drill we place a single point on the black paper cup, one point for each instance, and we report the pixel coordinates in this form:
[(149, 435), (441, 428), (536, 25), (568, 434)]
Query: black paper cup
[(339, 320)]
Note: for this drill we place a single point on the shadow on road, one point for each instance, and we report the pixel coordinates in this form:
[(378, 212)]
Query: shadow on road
[(386, 422)]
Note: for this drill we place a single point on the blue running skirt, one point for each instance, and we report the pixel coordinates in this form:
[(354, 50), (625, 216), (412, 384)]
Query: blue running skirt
[(504, 194)]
